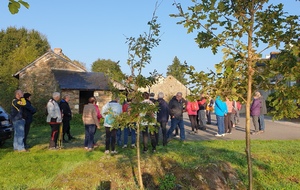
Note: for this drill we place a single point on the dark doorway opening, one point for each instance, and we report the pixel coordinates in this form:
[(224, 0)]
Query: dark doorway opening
[(83, 99)]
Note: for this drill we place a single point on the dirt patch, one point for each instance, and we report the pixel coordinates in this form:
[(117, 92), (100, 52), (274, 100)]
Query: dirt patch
[(119, 172)]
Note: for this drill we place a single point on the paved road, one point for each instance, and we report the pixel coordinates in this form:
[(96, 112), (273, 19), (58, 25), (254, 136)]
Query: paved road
[(275, 130)]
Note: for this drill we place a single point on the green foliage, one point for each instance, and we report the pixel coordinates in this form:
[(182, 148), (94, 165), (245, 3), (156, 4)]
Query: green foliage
[(139, 57), (167, 182), (177, 70), (242, 30), (14, 6), (18, 48), (109, 68)]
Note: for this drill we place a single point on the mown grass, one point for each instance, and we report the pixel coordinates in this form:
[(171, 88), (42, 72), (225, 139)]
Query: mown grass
[(275, 163)]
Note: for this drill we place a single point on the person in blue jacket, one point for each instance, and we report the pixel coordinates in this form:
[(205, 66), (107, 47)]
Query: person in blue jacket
[(220, 111)]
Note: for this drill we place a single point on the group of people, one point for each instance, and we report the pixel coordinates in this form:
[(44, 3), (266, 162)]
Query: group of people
[(200, 111), (173, 109), (59, 112), (22, 112), (227, 114)]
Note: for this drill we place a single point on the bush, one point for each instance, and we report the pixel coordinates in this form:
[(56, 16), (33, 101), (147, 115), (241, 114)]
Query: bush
[(167, 182)]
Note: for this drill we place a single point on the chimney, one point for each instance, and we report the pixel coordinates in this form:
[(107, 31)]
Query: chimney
[(58, 51)]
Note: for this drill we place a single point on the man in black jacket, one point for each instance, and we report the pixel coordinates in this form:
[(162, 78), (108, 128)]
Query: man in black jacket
[(28, 112), (162, 117), (66, 116), (176, 106)]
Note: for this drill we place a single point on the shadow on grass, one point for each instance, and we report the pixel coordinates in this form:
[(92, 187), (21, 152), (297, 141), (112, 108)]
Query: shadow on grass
[(194, 164)]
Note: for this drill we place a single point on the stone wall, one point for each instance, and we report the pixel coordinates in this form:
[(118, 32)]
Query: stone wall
[(39, 80), (169, 86), (102, 98), (74, 99)]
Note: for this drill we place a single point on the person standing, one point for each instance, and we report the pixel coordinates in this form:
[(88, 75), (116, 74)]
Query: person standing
[(28, 112), (255, 112), (228, 117), (90, 121), (54, 119), (263, 111), (201, 112), (66, 117), (145, 126), (209, 109), (192, 108), (176, 114), (220, 111), (162, 116), (17, 107), (109, 111), (235, 113), (128, 130), (99, 116), (152, 97)]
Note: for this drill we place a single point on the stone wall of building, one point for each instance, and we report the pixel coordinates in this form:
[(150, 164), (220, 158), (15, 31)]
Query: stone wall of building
[(169, 86), (74, 99), (102, 97), (39, 80)]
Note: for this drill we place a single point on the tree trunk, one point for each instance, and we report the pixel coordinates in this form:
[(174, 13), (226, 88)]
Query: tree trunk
[(250, 63), (139, 157), (248, 144)]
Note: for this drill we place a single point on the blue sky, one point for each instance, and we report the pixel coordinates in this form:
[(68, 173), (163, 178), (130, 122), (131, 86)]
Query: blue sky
[(92, 29)]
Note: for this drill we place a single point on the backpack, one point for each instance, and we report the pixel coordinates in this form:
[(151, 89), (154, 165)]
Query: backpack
[(194, 106), (239, 105), (109, 119)]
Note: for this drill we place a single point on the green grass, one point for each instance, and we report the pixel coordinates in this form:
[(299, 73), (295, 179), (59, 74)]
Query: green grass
[(275, 164)]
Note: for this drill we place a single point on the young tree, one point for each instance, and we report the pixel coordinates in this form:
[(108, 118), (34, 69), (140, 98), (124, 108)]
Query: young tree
[(244, 29), (138, 58), (177, 70), (108, 67)]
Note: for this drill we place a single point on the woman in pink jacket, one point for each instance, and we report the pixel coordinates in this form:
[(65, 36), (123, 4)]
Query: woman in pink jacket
[(192, 108)]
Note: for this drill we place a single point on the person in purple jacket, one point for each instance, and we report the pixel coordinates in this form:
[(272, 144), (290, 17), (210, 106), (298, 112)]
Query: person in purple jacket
[(255, 112)]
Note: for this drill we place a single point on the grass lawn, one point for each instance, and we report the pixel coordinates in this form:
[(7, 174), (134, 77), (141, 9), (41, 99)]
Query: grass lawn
[(189, 165)]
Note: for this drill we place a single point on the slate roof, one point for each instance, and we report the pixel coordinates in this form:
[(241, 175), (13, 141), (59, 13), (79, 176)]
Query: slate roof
[(73, 80), (51, 53)]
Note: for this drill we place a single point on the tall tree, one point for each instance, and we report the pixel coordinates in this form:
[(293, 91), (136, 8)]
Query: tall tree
[(18, 48), (109, 68), (177, 70), (244, 29)]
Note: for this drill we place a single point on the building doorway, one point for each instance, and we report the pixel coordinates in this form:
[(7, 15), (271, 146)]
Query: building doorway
[(83, 99)]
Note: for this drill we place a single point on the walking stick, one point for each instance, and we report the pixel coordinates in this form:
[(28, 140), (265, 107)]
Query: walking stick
[(60, 136)]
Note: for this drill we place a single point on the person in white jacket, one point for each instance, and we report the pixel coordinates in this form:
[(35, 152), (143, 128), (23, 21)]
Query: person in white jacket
[(109, 111), (54, 119)]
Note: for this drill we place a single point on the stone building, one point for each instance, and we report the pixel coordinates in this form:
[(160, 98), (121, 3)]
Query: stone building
[(55, 72), (169, 86)]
